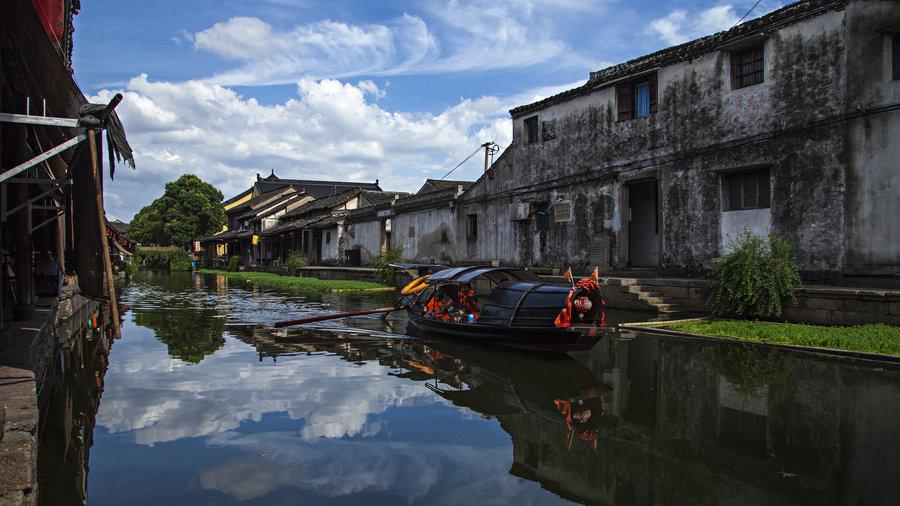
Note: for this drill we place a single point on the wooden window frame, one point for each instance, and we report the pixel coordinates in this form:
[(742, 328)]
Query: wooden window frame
[(736, 182), (626, 107), (532, 130), (748, 69), (472, 226)]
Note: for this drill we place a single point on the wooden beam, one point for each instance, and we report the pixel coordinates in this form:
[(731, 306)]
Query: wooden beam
[(104, 241)]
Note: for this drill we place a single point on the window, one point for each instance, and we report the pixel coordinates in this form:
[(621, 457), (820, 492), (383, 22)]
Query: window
[(895, 43), (531, 130), (746, 190), (327, 237), (411, 232), (562, 211), (472, 220), (636, 99), (747, 67)]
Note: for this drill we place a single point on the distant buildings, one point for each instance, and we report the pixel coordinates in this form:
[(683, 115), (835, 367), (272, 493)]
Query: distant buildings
[(786, 124)]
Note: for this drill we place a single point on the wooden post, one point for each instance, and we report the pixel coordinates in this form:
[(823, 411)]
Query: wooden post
[(104, 241)]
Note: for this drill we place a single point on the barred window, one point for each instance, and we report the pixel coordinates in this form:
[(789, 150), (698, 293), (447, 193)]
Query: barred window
[(746, 190), (747, 67), (472, 229)]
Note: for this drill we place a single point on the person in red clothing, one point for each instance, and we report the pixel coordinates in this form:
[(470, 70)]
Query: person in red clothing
[(437, 307), (468, 301)]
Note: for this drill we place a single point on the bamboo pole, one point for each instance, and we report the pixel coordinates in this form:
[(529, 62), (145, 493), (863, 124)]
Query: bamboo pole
[(104, 241)]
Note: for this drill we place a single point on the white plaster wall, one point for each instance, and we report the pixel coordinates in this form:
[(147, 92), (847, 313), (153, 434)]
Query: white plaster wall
[(330, 251), (733, 223), (367, 237)]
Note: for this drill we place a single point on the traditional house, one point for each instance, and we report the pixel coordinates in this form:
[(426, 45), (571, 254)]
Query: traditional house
[(423, 224), (316, 229), (781, 124), (259, 208)]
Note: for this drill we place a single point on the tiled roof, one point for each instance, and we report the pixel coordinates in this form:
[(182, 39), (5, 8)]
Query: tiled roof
[(442, 184), (317, 189), (787, 15), (323, 203), (380, 197), (297, 224), (119, 225), (430, 199), (224, 236), (266, 207)]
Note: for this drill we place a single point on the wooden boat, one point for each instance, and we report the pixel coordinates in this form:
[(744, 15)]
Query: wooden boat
[(513, 306)]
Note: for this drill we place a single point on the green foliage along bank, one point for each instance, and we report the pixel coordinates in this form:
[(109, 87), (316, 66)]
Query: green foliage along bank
[(303, 285), (872, 338), (382, 264), (168, 258), (189, 209), (756, 279)]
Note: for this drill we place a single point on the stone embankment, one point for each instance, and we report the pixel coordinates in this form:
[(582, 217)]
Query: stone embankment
[(26, 349)]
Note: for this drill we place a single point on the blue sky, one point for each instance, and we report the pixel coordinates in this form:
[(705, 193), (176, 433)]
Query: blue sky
[(394, 90)]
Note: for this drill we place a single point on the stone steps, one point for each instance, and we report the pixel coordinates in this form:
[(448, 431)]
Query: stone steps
[(632, 293)]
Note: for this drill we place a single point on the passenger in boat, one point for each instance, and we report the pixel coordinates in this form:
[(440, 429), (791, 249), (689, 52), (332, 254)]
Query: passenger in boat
[(468, 301), (437, 307)]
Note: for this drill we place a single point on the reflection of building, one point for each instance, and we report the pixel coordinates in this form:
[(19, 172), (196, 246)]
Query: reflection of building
[(70, 398), (682, 422)]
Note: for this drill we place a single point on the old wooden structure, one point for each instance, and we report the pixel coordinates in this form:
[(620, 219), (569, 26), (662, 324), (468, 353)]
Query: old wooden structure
[(51, 161)]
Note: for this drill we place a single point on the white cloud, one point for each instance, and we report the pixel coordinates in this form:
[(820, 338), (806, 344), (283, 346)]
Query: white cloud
[(678, 26), (329, 130), (457, 36)]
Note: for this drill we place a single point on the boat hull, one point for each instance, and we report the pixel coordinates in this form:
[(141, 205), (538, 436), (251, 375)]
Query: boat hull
[(530, 338)]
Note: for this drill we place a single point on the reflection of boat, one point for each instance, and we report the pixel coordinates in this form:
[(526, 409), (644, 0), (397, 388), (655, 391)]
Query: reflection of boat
[(558, 390), (518, 308)]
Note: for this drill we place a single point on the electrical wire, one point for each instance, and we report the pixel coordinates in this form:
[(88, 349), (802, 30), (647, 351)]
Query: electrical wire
[(748, 13), (462, 162)]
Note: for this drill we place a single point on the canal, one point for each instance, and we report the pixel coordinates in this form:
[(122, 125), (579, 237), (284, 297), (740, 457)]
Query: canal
[(201, 402)]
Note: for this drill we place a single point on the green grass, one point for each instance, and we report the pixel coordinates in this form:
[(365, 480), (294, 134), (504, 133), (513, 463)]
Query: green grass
[(307, 286), (873, 338)]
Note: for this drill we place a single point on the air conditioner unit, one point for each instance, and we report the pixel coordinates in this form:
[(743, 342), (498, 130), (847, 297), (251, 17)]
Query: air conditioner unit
[(518, 212)]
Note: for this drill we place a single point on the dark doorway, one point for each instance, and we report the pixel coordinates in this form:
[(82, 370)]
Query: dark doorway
[(643, 224)]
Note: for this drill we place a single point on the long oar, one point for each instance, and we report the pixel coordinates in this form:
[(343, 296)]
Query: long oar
[(335, 316)]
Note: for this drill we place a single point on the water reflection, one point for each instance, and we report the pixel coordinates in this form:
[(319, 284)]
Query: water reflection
[(350, 412)]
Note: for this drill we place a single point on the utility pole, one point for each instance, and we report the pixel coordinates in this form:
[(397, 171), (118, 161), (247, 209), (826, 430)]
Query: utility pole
[(489, 149)]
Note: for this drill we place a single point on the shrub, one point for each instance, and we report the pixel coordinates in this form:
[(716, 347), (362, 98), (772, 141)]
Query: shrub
[(168, 258), (234, 263), (294, 261), (381, 263), (757, 279)]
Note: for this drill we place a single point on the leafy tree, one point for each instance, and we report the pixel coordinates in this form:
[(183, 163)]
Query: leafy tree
[(189, 208)]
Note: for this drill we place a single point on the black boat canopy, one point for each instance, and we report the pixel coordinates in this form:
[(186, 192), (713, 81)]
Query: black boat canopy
[(496, 274), (524, 304)]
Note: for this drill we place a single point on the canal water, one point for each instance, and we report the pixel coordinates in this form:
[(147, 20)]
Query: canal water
[(202, 402)]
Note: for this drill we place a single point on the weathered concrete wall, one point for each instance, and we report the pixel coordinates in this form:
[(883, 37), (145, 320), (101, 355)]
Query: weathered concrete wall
[(366, 236), (792, 124), (873, 179), (426, 235)]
